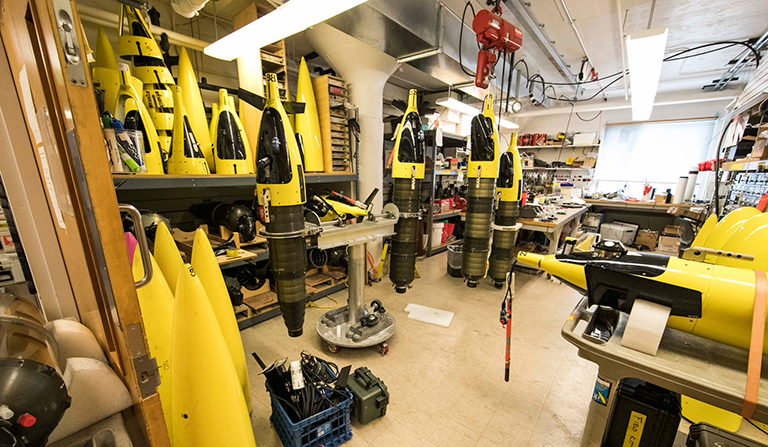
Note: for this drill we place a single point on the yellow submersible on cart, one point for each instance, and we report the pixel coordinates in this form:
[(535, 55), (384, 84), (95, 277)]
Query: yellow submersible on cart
[(709, 300), (482, 169), (407, 173)]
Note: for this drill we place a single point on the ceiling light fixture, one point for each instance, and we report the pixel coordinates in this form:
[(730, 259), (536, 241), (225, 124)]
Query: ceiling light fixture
[(292, 17), (455, 104), (645, 54), (466, 109)]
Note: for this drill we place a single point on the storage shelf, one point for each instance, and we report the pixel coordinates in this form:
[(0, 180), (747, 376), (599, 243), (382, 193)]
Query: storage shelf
[(446, 215), (256, 319), (132, 182), (442, 247), (569, 146), (745, 165), (558, 169)]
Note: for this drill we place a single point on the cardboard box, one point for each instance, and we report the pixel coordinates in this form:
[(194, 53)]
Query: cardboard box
[(619, 231), (759, 149), (583, 139), (661, 197), (669, 244), (590, 162), (647, 238), (592, 219), (690, 213), (673, 230)]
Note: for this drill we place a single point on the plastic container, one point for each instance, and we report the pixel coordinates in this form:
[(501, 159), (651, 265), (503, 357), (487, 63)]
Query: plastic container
[(126, 150), (447, 231), (455, 253), (437, 234), (370, 395), (703, 435), (645, 411), (329, 428)]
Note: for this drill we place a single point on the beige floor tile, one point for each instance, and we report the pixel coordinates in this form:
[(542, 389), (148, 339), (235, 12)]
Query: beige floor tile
[(449, 433), (447, 384), (471, 413)]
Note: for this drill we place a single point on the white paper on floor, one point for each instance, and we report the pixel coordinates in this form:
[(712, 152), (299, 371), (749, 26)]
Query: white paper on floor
[(429, 315)]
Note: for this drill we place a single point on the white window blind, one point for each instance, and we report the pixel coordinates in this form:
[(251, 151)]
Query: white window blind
[(658, 153)]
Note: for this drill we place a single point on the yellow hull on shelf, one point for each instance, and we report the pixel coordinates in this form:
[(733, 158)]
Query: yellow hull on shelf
[(207, 399), (209, 272), (186, 157), (307, 124), (193, 104)]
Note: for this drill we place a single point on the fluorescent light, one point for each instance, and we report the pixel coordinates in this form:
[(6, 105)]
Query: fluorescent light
[(455, 104), (292, 17), (507, 124), (645, 53)]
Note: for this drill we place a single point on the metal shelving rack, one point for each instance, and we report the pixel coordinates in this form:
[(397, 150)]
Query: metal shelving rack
[(430, 175)]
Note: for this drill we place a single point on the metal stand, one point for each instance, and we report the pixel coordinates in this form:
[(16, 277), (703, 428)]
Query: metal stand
[(357, 325)]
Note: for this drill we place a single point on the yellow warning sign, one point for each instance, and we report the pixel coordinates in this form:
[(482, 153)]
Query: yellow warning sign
[(634, 430)]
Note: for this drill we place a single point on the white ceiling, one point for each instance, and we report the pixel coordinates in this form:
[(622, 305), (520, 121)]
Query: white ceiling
[(690, 23)]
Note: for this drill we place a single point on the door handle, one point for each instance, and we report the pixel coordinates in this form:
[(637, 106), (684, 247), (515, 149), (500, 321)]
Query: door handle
[(141, 237)]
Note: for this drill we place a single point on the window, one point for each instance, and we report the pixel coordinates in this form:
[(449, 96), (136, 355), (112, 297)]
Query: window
[(658, 153)]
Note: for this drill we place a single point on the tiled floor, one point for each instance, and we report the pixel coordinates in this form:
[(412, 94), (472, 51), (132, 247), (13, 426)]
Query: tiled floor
[(447, 384)]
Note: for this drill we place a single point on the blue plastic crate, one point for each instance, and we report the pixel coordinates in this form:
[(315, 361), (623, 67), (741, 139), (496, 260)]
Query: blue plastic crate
[(329, 428)]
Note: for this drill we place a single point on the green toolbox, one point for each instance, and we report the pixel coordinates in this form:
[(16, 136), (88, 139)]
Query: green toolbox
[(369, 396)]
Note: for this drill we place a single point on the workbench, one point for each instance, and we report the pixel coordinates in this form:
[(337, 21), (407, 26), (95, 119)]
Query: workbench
[(702, 369), (650, 215), (554, 229)]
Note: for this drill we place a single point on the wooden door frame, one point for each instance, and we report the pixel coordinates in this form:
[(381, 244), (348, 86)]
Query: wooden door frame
[(89, 234)]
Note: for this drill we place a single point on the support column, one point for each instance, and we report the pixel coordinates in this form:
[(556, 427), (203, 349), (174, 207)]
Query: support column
[(366, 70)]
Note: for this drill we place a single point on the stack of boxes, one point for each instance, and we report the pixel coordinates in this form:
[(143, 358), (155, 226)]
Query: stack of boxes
[(332, 97)]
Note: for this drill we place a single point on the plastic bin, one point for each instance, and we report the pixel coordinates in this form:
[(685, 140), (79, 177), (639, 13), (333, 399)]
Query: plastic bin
[(437, 234), (329, 428), (455, 253), (447, 231)]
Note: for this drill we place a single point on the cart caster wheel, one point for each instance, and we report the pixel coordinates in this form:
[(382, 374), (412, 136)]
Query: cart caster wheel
[(383, 348), (333, 348)]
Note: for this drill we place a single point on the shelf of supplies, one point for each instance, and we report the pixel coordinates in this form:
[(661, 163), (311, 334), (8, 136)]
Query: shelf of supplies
[(558, 169), (132, 182), (568, 146), (745, 165), (442, 247), (446, 215), (256, 319), (448, 172)]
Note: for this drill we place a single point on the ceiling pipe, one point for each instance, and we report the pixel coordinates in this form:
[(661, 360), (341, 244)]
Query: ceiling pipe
[(434, 51), (602, 107), (532, 26), (623, 52), (740, 64), (108, 19)]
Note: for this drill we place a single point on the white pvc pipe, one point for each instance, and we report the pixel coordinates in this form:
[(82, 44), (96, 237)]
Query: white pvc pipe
[(603, 106), (366, 70), (110, 20)]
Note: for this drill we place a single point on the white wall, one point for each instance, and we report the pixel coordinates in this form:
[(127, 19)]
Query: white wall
[(552, 124)]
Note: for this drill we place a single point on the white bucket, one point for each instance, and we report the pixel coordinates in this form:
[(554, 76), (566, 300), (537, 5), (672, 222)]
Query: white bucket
[(437, 234)]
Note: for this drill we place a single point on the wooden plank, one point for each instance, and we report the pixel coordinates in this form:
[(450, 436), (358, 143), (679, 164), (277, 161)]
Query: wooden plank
[(261, 301), (249, 75), (320, 86), (317, 279)]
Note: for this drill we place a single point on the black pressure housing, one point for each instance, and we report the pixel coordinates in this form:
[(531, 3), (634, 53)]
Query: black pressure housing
[(505, 216), (405, 194), (503, 242), (477, 232), (229, 142), (288, 263)]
